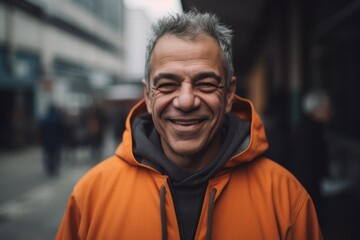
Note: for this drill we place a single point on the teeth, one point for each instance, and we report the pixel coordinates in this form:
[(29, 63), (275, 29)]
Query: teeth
[(186, 123)]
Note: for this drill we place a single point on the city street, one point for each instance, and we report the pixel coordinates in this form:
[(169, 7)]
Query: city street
[(32, 203)]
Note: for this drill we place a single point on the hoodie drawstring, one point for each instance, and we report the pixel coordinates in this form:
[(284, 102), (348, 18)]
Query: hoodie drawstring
[(210, 213), (163, 213)]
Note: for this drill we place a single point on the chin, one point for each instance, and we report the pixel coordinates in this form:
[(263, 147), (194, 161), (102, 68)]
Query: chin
[(188, 149)]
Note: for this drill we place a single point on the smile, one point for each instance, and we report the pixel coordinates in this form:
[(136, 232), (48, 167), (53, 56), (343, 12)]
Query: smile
[(185, 123)]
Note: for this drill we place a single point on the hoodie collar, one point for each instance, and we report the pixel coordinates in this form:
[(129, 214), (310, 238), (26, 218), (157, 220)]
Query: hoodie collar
[(147, 149)]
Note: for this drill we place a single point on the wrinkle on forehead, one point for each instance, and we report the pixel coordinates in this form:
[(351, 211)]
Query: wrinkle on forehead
[(172, 52)]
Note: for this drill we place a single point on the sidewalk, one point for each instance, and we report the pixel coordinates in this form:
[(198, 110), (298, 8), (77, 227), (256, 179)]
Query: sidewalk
[(20, 169), (31, 203)]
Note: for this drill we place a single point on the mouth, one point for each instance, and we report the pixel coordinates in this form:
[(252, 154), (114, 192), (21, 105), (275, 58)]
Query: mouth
[(186, 122), (186, 128)]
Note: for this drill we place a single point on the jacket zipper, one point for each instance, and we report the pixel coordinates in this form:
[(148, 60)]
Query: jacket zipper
[(177, 213)]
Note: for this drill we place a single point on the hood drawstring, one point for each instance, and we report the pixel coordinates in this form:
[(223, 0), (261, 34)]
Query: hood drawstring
[(210, 213), (163, 213)]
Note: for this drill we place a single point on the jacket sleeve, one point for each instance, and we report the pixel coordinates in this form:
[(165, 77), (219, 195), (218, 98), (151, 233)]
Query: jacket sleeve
[(69, 227), (306, 225)]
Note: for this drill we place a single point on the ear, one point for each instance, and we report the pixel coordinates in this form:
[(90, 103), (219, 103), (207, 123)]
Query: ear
[(230, 94), (146, 96)]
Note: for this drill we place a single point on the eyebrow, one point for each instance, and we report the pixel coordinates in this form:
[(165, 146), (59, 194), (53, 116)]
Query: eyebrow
[(197, 77), (203, 75), (167, 76)]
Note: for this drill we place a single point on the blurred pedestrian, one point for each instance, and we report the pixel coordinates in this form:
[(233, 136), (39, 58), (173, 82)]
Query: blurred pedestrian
[(310, 152), (51, 129), (191, 164), (95, 131)]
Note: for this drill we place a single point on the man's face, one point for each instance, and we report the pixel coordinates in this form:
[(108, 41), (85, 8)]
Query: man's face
[(187, 98)]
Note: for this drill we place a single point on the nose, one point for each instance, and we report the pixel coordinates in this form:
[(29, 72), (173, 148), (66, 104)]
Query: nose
[(186, 100)]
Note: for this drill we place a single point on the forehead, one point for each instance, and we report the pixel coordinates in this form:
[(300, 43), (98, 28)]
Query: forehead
[(172, 53)]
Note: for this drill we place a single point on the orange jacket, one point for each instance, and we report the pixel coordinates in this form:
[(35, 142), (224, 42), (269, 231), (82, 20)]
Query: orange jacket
[(250, 198)]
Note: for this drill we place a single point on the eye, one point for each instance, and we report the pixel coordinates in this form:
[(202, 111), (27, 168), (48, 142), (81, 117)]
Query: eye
[(206, 87), (167, 87)]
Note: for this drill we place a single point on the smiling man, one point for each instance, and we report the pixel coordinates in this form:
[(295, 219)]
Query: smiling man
[(191, 163)]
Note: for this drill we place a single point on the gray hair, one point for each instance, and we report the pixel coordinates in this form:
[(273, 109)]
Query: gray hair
[(191, 25)]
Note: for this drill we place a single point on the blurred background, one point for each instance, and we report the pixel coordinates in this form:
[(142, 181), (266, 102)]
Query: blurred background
[(70, 70)]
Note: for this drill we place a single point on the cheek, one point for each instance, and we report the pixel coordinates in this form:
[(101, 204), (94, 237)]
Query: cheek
[(218, 107), (216, 103), (160, 103)]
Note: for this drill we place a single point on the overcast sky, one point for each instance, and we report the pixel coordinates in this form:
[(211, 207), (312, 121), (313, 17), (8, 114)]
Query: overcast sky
[(155, 8)]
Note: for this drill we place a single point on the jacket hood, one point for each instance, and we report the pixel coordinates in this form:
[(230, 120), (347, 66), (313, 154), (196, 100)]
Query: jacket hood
[(253, 146)]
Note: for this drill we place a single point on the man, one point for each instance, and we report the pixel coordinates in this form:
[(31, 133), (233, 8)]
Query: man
[(51, 128), (191, 163)]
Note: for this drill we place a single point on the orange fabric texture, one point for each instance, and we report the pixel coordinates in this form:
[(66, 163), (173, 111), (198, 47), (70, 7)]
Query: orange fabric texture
[(255, 197)]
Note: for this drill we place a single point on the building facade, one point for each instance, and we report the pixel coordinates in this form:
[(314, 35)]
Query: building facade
[(55, 52)]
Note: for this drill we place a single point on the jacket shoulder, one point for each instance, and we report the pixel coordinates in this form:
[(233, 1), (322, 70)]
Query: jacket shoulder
[(101, 176), (275, 181), (272, 170)]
